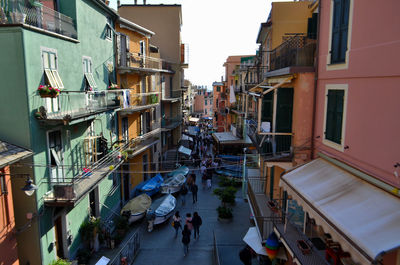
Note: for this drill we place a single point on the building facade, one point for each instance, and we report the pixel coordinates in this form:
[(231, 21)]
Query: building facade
[(71, 131)]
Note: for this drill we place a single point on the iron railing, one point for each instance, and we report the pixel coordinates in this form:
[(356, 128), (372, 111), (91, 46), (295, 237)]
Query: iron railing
[(72, 105), (295, 51), (128, 251), (130, 100), (68, 191), (171, 122), (173, 94), (39, 16)]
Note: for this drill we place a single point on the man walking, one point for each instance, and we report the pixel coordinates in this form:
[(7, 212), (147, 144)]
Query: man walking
[(196, 222), (194, 189)]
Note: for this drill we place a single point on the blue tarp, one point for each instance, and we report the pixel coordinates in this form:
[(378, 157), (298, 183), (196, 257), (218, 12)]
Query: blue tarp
[(151, 186)]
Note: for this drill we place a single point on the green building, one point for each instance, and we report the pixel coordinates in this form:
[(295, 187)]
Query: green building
[(68, 45)]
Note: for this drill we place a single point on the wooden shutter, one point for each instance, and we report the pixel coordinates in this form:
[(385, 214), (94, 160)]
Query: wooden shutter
[(334, 116), (337, 7), (344, 26), (284, 114), (267, 107), (122, 43)]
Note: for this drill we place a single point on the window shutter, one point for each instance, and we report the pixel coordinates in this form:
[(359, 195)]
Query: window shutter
[(334, 116), (127, 43), (119, 49), (344, 26), (337, 7)]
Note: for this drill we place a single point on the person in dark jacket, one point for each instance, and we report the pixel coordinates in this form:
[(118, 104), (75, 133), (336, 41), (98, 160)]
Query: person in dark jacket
[(194, 190), (196, 222), (186, 239)]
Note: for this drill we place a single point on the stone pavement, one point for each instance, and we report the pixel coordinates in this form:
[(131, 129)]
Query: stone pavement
[(160, 247)]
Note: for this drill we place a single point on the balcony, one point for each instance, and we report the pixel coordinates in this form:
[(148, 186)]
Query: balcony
[(184, 55), (174, 96), (272, 219), (138, 63), (297, 51), (37, 17), (69, 192), (71, 107), (170, 123), (275, 145), (133, 102), (138, 144)]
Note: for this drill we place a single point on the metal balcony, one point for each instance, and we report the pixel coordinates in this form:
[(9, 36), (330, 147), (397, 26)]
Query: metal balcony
[(71, 107), (133, 102), (170, 123), (137, 63), (173, 96), (68, 193), (36, 16), (296, 51), (138, 144)]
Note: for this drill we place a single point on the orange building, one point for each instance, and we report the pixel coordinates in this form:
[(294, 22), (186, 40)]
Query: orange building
[(9, 154)]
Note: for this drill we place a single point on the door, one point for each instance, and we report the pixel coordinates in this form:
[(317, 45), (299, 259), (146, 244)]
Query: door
[(56, 156), (94, 202), (59, 237)]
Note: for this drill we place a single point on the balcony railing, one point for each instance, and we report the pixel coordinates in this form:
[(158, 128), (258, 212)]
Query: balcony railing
[(70, 106), (132, 101), (39, 16), (273, 144), (138, 144), (128, 252), (171, 122), (172, 95), (296, 51), (68, 192)]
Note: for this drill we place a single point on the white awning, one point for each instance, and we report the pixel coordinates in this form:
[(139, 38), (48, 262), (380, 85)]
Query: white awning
[(364, 219), (185, 150), (253, 240), (187, 138)]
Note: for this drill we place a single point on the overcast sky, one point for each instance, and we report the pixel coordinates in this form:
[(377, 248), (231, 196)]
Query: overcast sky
[(214, 30)]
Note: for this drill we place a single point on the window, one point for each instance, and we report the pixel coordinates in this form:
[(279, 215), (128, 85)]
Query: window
[(3, 186), (205, 102), (87, 70), (56, 156), (218, 89), (52, 78), (124, 125), (108, 33), (335, 109), (340, 25)]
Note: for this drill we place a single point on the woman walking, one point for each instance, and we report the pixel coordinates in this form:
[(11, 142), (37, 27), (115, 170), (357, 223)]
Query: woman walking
[(186, 239), (177, 222), (197, 222)]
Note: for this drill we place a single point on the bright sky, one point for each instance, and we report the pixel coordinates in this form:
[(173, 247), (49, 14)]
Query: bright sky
[(214, 30)]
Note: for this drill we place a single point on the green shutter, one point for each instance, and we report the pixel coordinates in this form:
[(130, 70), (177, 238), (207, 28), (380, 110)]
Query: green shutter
[(267, 107), (337, 7), (334, 116), (284, 114)]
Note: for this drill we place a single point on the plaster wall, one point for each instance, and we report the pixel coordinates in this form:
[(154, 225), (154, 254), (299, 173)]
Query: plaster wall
[(372, 77)]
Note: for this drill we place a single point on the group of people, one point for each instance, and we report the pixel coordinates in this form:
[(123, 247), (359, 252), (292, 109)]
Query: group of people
[(190, 224), (207, 170), (191, 186)]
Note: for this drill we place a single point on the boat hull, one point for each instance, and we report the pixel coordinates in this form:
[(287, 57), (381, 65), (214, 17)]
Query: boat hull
[(162, 219), (135, 217), (170, 189)]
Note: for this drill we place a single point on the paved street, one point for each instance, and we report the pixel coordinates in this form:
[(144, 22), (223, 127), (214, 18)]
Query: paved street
[(161, 247)]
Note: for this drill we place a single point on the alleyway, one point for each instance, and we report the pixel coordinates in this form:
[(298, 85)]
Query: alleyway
[(160, 246)]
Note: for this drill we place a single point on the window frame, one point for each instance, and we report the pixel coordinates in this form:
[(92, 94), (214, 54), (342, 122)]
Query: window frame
[(108, 31), (52, 104), (88, 71), (339, 66), (328, 142)]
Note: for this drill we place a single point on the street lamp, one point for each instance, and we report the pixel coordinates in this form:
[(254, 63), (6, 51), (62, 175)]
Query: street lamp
[(29, 187)]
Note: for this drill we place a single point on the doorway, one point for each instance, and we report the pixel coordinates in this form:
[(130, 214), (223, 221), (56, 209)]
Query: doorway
[(94, 202)]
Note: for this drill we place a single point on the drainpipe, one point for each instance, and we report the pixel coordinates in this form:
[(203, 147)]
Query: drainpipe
[(315, 81)]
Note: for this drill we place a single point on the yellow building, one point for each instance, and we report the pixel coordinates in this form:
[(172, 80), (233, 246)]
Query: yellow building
[(139, 118)]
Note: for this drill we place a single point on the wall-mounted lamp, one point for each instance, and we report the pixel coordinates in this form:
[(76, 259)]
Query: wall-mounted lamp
[(29, 187)]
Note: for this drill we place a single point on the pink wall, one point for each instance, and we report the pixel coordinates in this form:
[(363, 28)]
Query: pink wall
[(373, 106)]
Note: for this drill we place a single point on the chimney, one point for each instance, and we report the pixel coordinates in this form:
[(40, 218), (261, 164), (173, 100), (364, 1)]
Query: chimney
[(135, 2), (144, 2), (118, 3)]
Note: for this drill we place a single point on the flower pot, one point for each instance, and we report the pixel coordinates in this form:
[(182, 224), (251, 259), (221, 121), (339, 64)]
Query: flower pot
[(48, 96)]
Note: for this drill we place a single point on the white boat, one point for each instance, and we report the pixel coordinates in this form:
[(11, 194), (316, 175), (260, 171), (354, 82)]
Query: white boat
[(136, 208), (173, 184), (164, 208)]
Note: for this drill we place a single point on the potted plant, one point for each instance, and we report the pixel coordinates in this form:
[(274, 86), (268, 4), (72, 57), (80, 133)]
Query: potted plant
[(226, 195), (48, 91), (224, 213), (113, 86), (89, 231), (60, 262)]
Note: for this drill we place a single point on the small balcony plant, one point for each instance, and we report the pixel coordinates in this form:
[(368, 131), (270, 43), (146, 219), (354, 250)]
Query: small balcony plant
[(47, 91), (113, 86)]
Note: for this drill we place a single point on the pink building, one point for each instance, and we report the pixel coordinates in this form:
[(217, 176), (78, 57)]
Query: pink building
[(350, 191), (203, 103)]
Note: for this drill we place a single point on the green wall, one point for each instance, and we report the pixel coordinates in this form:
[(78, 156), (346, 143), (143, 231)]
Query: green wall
[(20, 49)]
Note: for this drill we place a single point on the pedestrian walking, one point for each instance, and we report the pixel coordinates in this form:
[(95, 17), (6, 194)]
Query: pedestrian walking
[(196, 222), (186, 239), (193, 177), (184, 192), (188, 221), (176, 223), (204, 180), (194, 189)]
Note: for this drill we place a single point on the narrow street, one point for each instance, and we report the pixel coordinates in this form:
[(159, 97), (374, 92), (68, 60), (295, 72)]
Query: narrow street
[(161, 247)]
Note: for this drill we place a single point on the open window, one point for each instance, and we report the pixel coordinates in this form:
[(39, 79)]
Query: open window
[(52, 78), (87, 70)]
